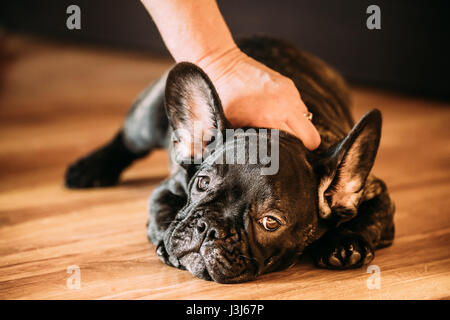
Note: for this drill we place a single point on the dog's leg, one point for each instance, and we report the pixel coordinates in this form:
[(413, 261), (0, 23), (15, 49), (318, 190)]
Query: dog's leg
[(102, 167), (145, 129), (353, 243), (166, 201)]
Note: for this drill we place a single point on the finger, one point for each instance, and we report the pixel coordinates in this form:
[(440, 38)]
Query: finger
[(285, 127), (304, 130)]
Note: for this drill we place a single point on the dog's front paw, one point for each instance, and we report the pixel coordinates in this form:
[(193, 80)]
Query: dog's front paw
[(343, 251), (94, 170), (161, 253)]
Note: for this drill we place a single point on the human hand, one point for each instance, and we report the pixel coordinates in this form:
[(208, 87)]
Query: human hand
[(254, 95)]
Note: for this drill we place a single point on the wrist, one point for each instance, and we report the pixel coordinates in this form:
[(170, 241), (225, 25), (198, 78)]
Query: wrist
[(218, 63)]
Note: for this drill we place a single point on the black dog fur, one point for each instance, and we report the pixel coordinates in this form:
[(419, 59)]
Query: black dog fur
[(209, 219)]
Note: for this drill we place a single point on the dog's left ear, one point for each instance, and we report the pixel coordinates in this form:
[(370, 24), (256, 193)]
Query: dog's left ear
[(344, 169), (193, 109)]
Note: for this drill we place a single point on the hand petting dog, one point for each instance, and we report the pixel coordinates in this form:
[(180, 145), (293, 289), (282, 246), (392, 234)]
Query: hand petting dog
[(195, 31), (254, 95)]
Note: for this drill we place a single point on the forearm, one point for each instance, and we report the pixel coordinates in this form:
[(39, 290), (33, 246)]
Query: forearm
[(193, 30)]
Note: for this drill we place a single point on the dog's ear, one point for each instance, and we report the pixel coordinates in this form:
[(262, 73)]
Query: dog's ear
[(193, 109), (344, 169)]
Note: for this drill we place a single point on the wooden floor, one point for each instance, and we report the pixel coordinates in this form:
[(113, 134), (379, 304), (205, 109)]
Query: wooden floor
[(57, 102)]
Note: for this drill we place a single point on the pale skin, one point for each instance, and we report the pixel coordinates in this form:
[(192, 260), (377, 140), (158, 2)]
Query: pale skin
[(195, 31)]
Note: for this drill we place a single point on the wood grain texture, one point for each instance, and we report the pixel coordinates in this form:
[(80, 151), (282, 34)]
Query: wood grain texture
[(58, 102)]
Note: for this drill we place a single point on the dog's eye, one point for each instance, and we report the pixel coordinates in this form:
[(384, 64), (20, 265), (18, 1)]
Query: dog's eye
[(203, 183), (270, 223)]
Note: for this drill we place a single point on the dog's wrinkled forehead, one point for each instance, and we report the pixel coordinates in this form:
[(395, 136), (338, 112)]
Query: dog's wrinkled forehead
[(238, 150), (250, 148), (244, 162)]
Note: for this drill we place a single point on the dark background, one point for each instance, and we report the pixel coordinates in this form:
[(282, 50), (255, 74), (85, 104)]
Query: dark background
[(410, 53)]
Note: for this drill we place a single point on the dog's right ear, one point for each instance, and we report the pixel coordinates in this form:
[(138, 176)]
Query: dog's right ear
[(193, 109)]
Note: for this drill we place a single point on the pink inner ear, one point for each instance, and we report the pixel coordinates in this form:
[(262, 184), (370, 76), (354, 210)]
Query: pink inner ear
[(199, 128), (200, 105), (347, 182)]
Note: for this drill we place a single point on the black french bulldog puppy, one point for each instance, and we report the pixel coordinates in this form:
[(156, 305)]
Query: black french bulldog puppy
[(228, 222)]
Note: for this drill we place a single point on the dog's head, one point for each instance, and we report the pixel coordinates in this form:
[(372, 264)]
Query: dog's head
[(239, 222)]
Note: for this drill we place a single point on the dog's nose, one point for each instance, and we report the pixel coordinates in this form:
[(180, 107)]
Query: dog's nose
[(207, 231)]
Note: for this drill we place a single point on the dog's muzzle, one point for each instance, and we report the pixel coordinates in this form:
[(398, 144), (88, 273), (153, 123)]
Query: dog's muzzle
[(211, 248)]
